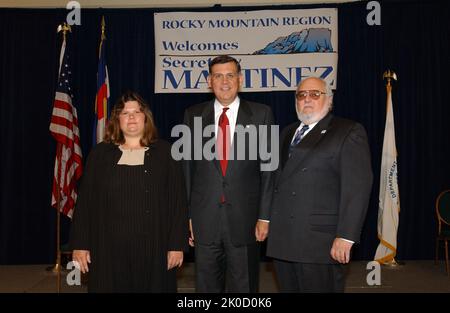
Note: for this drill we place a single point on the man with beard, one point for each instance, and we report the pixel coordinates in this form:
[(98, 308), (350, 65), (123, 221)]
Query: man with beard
[(321, 194)]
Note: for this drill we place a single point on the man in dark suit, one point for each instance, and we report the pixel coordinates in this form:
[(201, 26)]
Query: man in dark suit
[(229, 199), (321, 194)]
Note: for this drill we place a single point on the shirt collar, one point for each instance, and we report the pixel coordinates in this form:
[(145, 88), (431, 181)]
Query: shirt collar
[(233, 107), (311, 126)]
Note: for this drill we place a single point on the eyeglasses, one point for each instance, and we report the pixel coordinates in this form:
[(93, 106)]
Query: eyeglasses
[(228, 76), (127, 114), (313, 94)]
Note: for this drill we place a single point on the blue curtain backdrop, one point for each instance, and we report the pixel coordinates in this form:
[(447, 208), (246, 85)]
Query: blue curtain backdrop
[(413, 40)]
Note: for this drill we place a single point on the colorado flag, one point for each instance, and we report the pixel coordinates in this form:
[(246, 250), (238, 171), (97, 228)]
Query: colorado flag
[(102, 98)]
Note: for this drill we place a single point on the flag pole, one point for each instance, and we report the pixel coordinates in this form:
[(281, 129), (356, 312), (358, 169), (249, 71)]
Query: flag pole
[(103, 28), (64, 28), (389, 76), (58, 221)]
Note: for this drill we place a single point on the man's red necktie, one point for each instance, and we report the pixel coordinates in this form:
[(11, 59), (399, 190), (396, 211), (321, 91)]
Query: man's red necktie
[(223, 142)]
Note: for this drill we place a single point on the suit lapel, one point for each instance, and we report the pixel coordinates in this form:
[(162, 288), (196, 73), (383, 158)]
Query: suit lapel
[(286, 143), (244, 119), (305, 147), (208, 119)]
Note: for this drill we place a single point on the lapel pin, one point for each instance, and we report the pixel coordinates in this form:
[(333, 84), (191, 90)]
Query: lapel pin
[(323, 131)]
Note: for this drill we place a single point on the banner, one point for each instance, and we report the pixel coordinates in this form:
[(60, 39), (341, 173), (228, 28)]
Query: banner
[(276, 48)]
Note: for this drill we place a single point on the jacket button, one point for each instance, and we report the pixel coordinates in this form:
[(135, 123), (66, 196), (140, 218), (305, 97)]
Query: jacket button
[(276, 190), (147, 211), (292, 216), (304, 169), (293, 193)]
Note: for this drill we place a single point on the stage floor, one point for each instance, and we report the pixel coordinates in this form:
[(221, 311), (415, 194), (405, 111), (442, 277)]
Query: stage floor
[(413, 276)]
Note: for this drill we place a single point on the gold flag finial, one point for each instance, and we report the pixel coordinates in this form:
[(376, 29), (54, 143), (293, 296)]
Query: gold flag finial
[(388, 74), (103, 28), (64, 28)]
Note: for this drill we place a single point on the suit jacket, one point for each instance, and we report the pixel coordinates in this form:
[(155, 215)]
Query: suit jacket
[(248, 190), (321, 192), (130, 215)]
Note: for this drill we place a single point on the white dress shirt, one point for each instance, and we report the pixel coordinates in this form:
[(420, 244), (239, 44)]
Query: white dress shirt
[(231, 114)]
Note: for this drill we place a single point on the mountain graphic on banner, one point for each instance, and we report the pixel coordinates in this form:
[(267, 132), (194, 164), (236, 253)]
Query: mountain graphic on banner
[(305, 41)]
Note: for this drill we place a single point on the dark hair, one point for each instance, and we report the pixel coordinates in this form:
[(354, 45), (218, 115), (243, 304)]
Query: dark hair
[(113, 132), (222, 59)]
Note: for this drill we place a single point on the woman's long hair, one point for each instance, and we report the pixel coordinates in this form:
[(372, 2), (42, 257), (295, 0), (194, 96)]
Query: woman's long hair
[(113, 132)]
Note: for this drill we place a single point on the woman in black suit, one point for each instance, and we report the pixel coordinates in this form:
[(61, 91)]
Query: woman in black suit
[(130, 224)]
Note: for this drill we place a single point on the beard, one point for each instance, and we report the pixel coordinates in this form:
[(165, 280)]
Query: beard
[(310, 118), (306, 118)]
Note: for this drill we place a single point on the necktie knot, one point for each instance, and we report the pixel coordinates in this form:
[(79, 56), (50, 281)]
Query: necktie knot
[(298, 137), (223, 115)]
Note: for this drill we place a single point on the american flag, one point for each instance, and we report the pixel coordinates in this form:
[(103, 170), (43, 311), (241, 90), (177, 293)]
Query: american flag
[(101, 101), (64, 128)]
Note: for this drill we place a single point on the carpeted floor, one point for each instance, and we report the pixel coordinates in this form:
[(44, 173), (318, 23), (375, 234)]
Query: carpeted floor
[(413, 276)]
